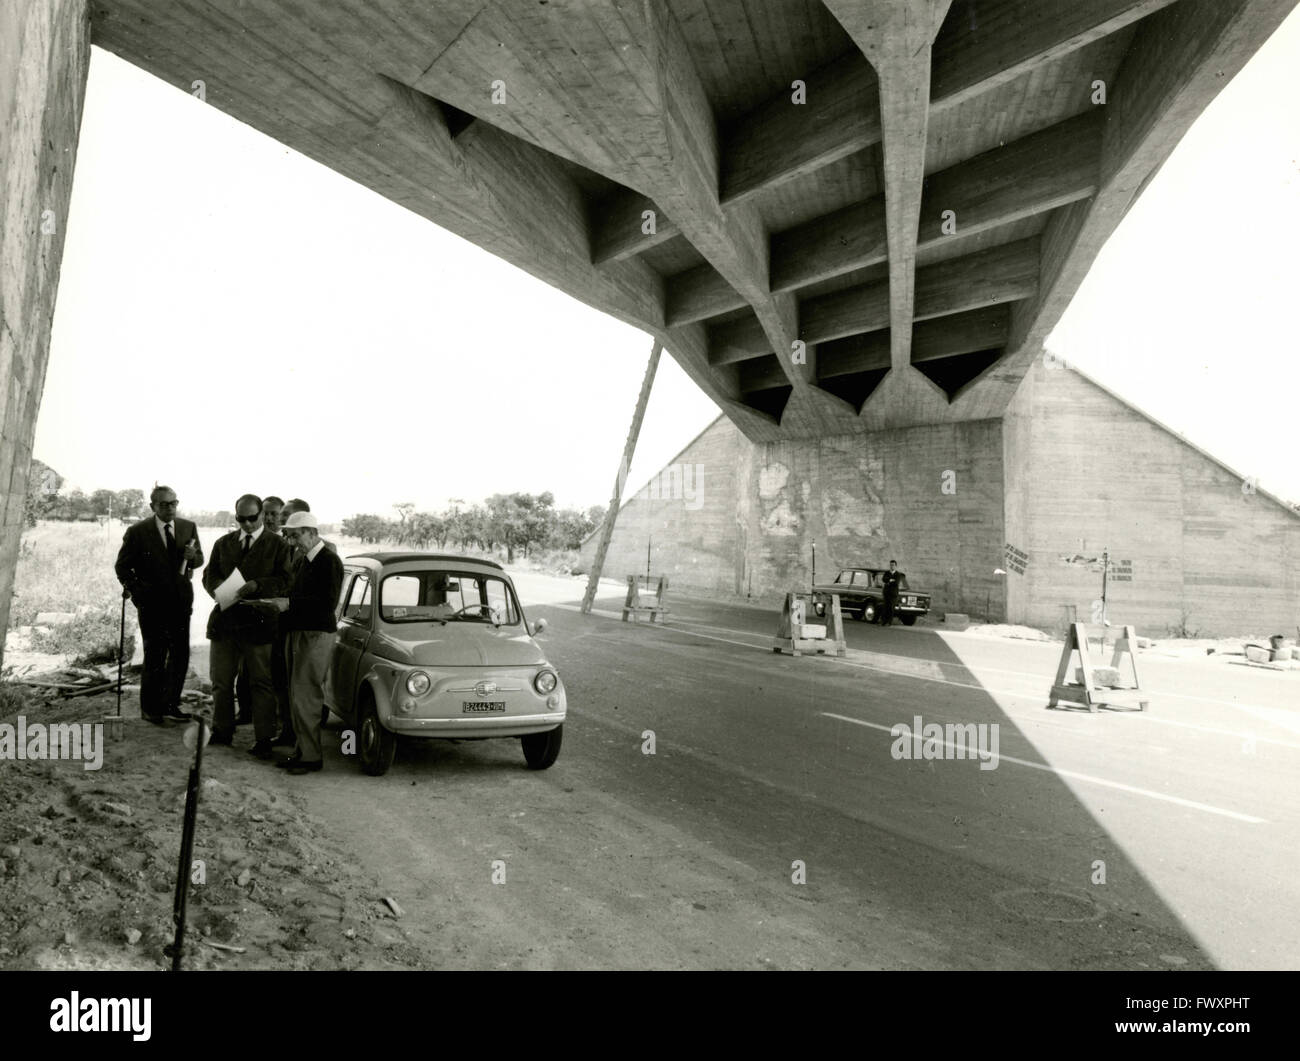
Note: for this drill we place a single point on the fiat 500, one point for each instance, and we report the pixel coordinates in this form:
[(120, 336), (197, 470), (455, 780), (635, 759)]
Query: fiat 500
[(433, 646)]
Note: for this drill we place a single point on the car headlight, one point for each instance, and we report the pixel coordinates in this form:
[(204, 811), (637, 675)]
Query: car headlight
[(417, 683), (546, 681)]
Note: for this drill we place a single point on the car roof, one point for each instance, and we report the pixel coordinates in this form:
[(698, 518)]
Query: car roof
[(384, 559)]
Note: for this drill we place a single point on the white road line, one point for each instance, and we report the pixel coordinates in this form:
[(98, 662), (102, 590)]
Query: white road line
[(1036, 697), (1105, 782)]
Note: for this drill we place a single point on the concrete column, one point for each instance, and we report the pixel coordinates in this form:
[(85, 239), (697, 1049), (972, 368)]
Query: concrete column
[(44, 57)]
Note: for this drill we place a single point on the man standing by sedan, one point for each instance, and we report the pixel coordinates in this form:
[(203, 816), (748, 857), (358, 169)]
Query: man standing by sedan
[(242, 634), (308, 619), (156, 568), (889, 581)]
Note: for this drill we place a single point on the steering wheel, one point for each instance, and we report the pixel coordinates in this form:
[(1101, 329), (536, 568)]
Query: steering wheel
[(479, 607)]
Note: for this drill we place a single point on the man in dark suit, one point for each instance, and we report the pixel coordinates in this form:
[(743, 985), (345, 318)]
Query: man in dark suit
[(271, 506), (889, 580), (241, 634), (155, 566), (309, 621)]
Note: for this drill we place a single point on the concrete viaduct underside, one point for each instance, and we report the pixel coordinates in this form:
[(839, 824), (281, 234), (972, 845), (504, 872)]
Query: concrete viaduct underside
[(839, 216), (912, 189)]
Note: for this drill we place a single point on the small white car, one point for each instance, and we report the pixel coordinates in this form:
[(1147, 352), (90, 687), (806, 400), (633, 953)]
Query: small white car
[(431, 646)]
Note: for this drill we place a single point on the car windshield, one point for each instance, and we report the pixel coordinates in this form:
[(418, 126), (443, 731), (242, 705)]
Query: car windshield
[(447, 597)]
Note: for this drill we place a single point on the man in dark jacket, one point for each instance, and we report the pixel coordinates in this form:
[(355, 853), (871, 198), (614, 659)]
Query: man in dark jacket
[(308, 619), (156, 568), (889, 581), (286, 738), (241, 633)]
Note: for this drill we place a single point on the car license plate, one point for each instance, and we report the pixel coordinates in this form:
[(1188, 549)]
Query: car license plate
[(474, 707)]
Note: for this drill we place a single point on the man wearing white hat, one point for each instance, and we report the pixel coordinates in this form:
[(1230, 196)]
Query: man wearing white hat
[(309, 624)]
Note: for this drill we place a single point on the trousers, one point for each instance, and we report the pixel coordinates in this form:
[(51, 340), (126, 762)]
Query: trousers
[(225, 657), (310, 651), (165, 632)]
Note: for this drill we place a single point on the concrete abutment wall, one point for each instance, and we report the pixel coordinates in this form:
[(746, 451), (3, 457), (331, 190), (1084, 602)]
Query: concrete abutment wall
[(44, 58), (739, 519)]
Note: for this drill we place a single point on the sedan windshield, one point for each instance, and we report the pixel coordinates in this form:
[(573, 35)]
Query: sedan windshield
[(447, 597)]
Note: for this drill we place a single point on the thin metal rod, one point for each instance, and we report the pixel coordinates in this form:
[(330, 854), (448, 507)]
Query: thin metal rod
[(187, 847), (121, 648), (629, 447)]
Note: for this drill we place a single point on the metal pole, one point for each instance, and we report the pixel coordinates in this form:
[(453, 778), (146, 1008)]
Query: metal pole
[(177, 948), (121, 648), (629, 447), (1105, 570), (814, 564)]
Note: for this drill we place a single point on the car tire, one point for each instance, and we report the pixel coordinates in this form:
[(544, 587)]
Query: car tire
[(542, 749), (868, 613), (376, 746), (907, 620)]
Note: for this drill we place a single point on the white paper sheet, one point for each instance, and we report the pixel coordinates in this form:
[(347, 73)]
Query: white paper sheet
[(225, 593)]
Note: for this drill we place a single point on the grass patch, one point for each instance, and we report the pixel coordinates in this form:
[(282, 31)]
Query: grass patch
[(90, 638), (13, 697), (64, 567)]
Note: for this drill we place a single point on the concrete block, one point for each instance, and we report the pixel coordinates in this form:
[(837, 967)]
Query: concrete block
[(955, 621), (54, 618), (1256, 654)]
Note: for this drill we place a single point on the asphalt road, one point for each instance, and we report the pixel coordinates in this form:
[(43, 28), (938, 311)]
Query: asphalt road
[(773, 828)]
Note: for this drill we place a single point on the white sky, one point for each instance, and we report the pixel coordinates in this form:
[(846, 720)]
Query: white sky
[(234, 317)]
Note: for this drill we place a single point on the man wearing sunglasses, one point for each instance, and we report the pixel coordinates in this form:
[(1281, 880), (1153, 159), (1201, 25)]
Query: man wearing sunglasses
[(240, 634)]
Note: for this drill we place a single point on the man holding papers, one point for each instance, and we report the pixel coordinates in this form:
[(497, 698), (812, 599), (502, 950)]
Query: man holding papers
[(247, 564), (310, 623)]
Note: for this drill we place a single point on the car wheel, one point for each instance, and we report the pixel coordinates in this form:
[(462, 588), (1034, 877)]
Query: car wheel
[(542, 749), (868, 613), (907, 620), (376, 746)]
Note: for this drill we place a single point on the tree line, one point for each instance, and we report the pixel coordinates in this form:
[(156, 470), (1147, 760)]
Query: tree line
[(46, 500), (519, 522)]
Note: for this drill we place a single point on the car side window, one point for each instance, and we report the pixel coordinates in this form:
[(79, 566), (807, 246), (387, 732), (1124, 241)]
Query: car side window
[(345, 587), (358, 605), (498, 598)]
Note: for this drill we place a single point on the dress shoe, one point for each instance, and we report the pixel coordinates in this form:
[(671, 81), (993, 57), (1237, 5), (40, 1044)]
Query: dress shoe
[(176, 715), (157, 720), (289, 763), (262, 750), (305, 767), (284, 740), (221, 737)]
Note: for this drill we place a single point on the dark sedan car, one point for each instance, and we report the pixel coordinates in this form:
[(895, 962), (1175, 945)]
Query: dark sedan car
[(862, 593)]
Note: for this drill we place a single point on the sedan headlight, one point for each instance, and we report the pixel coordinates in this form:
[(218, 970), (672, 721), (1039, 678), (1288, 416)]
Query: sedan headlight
[(417, 683), (546, 681)]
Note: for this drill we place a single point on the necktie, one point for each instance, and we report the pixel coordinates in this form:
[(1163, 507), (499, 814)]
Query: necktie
[(248, 544), (171, 542)]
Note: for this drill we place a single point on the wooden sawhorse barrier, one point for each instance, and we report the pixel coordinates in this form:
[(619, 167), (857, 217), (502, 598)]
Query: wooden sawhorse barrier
[(1097, 685), (797, 635), (635, 605)]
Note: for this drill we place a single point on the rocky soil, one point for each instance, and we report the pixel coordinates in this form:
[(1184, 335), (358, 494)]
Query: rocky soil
[(88, 862)]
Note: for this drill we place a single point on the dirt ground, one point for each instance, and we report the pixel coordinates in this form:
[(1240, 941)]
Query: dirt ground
[(88, 863)]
